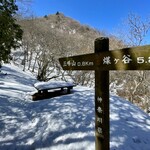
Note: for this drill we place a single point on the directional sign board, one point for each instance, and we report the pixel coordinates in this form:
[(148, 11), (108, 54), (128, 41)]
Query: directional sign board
[(137, 58), (103, 60)]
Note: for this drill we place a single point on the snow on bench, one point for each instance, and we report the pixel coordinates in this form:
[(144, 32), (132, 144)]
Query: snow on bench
[(52, 85), (44, 88)]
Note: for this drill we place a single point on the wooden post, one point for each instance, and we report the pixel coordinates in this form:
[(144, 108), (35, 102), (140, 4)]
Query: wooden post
[(136, 58), (101, 100)]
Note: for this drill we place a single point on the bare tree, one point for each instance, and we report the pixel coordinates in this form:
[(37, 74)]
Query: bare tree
[(134, 30), (138, 29), (133, 85)]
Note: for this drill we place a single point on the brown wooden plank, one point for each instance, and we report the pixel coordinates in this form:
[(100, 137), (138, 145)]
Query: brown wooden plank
[(140, 60), (101, 100)]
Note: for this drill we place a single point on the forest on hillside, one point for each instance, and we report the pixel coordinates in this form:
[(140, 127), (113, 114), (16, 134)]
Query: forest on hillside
[(47, 38)]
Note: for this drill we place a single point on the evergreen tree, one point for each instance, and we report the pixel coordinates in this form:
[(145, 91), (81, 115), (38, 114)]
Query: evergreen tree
[(10, 31)]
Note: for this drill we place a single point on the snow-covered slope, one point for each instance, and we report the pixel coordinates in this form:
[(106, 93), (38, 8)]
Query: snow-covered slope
[(63, 123)]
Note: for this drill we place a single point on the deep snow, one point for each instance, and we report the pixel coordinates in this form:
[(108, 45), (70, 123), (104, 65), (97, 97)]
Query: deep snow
[(65, 122)]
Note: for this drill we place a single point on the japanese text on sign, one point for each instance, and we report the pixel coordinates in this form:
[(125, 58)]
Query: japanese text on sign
[(99, 118), (78, 63), (126, 59)]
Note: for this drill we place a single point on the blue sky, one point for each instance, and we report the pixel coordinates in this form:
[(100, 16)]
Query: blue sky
[(101, 14)]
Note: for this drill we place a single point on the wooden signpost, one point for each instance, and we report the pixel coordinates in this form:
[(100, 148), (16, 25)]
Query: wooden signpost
[(103, 60)]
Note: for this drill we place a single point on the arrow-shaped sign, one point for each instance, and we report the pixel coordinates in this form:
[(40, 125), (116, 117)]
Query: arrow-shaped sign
[(136, 58)]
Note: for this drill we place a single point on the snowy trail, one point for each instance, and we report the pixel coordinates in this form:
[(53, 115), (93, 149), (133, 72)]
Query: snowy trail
[(129, 126), (63, 123)]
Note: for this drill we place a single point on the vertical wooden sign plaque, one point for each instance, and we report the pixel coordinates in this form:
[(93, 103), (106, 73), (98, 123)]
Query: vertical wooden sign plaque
[(101, 100)]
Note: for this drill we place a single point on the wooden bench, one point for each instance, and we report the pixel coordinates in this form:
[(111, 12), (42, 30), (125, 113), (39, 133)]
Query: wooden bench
[(52, 89)]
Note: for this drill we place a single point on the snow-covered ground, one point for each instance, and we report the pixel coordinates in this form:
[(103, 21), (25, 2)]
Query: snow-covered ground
[(65, 122)]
